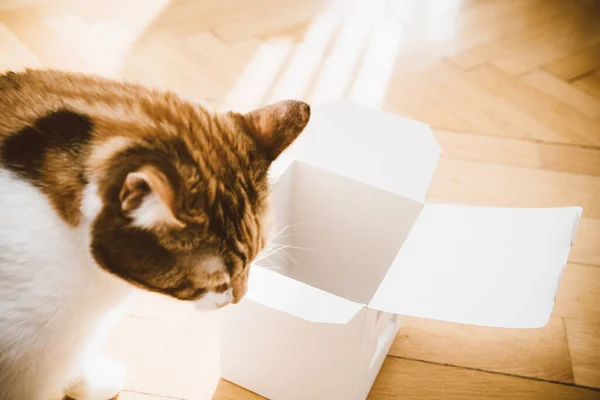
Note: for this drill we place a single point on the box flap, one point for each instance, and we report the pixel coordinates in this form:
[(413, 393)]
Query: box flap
[(299, 299), (496, 267), (373, 147)]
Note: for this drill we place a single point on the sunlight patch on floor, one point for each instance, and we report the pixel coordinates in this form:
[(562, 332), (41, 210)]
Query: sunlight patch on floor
[(103, 45), (374, 75), (306, 59), (254, 82)]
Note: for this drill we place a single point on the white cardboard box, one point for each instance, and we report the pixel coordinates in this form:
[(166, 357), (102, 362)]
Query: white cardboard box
[(364, 248)]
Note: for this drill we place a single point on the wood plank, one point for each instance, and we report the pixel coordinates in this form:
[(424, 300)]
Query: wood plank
[(12, 4), (443, 89), (230, 60), (590, 84), (575, 64), (569, 125), (426, 110), (410, 94), (500, 185), (546, 21), (536, 353), (268, 17), (578, 35), (225, 391), (191, 17), (480, 106), (579, 293), (517, 152), (128, 395), (489, 20), (408, 379), (585, 247), (166, 61), (307, 60), (565, 92), (584, 345), (15, 55), (484, 12), (228, 391), (295, 32), (28, 25)]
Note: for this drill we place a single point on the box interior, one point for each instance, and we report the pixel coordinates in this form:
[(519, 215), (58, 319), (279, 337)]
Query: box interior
[(335, 233)]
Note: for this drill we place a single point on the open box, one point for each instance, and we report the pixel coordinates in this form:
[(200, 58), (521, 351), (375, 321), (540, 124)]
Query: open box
[(362, 248)]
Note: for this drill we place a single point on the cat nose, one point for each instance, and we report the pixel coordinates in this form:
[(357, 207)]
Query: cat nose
[(221, 305), (214, 300)]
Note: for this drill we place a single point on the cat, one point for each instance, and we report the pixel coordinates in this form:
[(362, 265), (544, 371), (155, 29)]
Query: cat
[(107, 187)]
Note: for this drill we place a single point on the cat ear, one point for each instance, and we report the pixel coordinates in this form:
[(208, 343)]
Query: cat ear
[(148, 198), (277, 125)]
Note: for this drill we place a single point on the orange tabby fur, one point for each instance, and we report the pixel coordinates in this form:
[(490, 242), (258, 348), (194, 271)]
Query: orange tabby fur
[(212, 167), (202, 175)]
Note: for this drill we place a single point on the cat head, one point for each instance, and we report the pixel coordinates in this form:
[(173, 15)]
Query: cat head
[(185, 201)]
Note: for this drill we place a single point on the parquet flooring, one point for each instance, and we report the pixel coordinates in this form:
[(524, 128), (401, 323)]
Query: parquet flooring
[(511, 88)]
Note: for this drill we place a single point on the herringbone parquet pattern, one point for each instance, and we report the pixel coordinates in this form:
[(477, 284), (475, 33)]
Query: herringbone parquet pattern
[(511, 87)]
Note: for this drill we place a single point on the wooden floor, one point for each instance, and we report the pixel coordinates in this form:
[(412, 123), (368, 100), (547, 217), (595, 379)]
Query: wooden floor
[(511, 87)]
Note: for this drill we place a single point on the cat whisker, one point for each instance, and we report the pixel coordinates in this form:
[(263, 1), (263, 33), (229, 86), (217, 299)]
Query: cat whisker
[(301, 248), (287, 256), (268, 251), (280, 232), (275, 250), (282, 255), (285, 228)]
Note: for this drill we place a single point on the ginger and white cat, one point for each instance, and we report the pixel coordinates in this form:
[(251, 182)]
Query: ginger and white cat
[(107, 186)]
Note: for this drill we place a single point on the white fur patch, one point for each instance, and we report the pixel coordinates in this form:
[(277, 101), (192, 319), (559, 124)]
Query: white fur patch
[(101, 379), (91, 205), (52, 294), (151, 212), (213, 301)]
